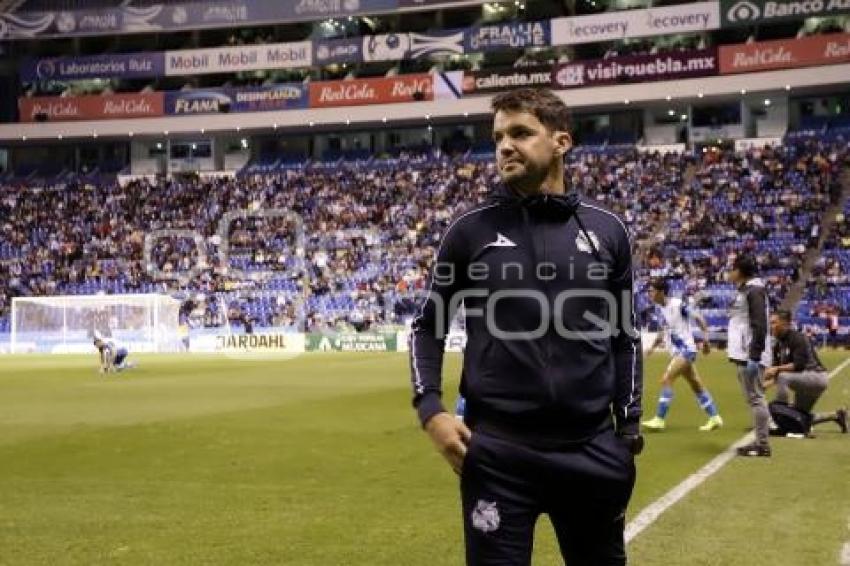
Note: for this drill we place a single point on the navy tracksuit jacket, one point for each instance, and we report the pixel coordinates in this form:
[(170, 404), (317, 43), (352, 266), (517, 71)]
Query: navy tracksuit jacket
[(516, 254)]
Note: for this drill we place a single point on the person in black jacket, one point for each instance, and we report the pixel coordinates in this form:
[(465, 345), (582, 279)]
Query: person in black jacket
[(552, 371), (799, 369)]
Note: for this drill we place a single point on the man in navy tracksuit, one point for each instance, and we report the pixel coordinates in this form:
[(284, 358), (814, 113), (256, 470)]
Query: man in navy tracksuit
[(552, 371)]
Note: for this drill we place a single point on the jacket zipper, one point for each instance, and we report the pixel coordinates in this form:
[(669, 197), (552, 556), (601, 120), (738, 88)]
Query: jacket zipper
[(547, 340)]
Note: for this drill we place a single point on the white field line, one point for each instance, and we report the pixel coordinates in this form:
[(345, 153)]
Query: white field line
[(844, 559)]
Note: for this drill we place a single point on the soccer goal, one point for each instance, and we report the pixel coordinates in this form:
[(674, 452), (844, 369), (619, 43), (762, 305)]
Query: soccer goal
[(66, 324)]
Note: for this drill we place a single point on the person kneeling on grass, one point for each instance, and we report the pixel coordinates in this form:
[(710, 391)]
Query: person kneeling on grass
[(677, 318), (799, 370), (112, 358)]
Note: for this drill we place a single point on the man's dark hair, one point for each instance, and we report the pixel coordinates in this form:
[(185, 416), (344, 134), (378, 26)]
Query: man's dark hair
[(544, 104), (784, 315), (746, 265), (660, 284)]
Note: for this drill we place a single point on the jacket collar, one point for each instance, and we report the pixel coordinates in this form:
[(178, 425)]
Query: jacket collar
[(555, 206)]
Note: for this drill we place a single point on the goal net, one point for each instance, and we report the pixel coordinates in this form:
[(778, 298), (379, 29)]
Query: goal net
[(66, 324)]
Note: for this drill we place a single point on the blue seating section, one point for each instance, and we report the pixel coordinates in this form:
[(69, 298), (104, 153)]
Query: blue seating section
[(371, 224)]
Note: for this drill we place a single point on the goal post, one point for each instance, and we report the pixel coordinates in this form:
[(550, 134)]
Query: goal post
[(67, 323)]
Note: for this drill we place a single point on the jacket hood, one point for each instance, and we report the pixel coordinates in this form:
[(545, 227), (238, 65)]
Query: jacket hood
[(560, 206)]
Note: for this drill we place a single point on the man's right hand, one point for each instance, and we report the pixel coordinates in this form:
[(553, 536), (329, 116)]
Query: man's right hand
[(769, 377), (450, 436)]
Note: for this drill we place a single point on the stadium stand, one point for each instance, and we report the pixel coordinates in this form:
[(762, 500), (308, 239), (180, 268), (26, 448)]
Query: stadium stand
[(72, 223), (369, 229)]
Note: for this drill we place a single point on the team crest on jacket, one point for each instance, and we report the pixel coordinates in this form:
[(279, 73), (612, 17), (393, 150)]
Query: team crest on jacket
[(485, 516), (583, 244)]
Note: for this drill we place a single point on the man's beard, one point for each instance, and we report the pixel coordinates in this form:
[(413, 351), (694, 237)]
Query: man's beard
[(529, 181)]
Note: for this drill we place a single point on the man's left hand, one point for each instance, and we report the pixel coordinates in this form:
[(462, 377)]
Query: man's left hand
[(634, 442)]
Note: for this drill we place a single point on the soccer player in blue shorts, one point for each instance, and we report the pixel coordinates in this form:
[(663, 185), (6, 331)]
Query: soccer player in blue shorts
[(112, 358), (676, 317)]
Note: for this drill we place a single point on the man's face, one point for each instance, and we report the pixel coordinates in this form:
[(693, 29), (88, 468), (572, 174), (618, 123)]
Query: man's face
[(777, 326), (735, 277), (656, 296), (526, 150)]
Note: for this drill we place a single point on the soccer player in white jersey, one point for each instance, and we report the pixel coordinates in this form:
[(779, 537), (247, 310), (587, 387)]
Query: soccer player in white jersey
[(676, 318), (113, 358)]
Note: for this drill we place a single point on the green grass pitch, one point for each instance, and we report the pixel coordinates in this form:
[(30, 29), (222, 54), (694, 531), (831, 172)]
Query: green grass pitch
[(319, 461)]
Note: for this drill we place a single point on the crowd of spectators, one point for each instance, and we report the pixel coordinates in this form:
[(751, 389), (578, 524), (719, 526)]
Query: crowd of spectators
[(356, 232), (768, 202), (349, 246), (826, 301)]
